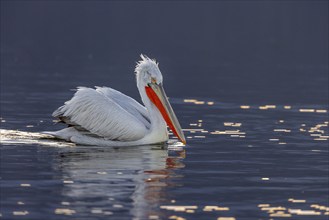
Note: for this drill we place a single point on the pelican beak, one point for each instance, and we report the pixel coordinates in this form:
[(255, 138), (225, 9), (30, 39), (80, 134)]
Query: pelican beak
[(157, 95)]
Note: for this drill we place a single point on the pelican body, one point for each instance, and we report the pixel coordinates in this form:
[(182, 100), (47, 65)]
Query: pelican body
[(106, 117)]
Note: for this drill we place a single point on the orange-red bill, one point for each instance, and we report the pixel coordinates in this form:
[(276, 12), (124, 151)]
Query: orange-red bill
[(165, 109)]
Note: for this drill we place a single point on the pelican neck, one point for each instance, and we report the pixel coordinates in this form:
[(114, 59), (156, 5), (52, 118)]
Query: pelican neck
[(156, 119)]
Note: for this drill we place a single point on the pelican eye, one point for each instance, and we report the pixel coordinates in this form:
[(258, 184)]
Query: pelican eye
[(153, 80)]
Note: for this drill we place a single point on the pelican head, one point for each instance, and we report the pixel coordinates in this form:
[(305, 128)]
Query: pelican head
[(149, 79), (147, 71)]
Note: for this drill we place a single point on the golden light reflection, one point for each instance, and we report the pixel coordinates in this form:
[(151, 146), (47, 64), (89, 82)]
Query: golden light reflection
[(280, 214), (282, 130), (193, 208), (281, 211), (20, 212), (271, 209), (303, 212), (245, 107), (68, 181), (320, 139), (273, 139), (176, 208), (321, 111), (215, 208), (229, 132), (318, 133), (199, 136), (198, 102), (306, 110), (232, 124), (296, 200), (265, 107), (320, 207), (61, 211), (263, 205), (176, 217), (190, 100)]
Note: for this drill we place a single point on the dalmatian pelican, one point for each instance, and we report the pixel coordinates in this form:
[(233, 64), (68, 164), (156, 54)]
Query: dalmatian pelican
[(106, 117)]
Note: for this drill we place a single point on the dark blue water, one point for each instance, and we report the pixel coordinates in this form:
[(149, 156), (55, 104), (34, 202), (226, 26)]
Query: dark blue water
[(248, 82)]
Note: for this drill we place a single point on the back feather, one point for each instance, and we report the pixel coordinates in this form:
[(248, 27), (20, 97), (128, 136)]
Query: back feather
[(100, 114)]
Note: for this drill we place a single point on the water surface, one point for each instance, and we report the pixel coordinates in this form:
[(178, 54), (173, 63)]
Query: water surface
[(250, 161)]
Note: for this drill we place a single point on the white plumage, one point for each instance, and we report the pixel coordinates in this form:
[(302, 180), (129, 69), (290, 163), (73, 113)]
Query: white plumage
[(104, 116)]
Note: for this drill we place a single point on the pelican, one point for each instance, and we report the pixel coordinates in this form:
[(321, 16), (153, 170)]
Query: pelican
[(106, 117)]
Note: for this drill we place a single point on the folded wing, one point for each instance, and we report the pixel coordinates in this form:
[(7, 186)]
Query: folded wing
[(100, 112), (127, 103)]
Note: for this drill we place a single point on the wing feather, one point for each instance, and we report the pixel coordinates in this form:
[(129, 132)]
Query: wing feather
[(127, 103), (101, 115)]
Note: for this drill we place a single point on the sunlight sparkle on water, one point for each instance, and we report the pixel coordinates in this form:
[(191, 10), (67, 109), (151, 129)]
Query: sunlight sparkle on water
[(20, 212), (282, 130), (307, 110), (61, 211), (296, 200), (265, 107), (68, 181)]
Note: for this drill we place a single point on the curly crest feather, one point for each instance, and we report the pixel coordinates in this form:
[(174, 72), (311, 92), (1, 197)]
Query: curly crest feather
[(145, 64)]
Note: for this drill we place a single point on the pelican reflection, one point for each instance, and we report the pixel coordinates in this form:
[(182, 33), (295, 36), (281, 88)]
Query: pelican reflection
[(109, 181)]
